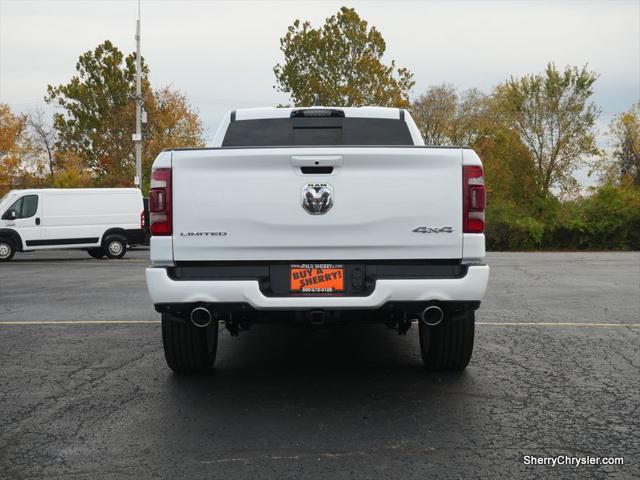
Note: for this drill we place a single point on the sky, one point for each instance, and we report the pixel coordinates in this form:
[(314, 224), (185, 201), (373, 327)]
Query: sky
[(221, 53)]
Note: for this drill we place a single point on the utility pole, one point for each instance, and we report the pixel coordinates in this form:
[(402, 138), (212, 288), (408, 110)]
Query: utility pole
[(137, 137)]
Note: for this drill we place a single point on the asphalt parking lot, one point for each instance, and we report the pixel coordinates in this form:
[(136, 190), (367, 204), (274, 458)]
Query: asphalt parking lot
[(556, 371)]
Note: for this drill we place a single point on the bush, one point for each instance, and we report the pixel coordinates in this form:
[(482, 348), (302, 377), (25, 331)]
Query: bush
[(509, 228), (612, 218), (609, 219)]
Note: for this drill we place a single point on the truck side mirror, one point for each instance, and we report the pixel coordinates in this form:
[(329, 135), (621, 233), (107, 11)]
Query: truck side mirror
[(10, 215)]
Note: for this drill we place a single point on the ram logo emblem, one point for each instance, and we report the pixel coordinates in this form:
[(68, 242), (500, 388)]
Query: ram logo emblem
[(317, 198)]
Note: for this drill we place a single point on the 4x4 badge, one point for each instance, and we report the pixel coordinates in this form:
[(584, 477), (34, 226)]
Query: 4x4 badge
[(317, 198), (433, 230)]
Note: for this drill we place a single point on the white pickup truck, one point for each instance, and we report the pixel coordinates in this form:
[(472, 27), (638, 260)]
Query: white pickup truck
[(317, 215)]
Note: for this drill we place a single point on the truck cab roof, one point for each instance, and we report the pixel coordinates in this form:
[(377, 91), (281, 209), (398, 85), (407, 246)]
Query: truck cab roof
[(348, 112), (273, 115)]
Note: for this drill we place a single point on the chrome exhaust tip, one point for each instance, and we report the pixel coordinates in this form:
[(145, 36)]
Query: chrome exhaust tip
[(432, 315), (201, 317)]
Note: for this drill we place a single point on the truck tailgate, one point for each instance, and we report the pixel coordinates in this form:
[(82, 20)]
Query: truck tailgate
[(246, 204)]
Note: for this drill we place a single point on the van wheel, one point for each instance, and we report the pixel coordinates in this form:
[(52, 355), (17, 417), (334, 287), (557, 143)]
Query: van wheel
[(96, 252), (187, 348), (7, 250), (447, 347), (115, 246)]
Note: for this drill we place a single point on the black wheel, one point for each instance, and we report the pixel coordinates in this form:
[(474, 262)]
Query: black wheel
[(187, 348), (7, 249), (115, 246), (447, 347), (96, 252)]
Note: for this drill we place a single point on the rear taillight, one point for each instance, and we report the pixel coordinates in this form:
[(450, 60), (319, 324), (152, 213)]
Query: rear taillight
[(473, 200), (142, 224), (160, 202)]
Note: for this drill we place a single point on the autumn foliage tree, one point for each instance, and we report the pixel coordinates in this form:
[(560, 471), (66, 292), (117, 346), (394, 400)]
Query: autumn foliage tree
[(14, 147), (341, 62), (554, 117), (172, 123), (469, 118), (446, 117), (532, 133), (97, 106), (98, 117), (435, 112), (12, 129), (72, 171), (624, 131)]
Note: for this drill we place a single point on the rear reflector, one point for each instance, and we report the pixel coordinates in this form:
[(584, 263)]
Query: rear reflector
[(160, 202), (473, 200)]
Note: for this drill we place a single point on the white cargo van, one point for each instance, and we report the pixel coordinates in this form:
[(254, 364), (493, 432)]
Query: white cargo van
[(103, 221)]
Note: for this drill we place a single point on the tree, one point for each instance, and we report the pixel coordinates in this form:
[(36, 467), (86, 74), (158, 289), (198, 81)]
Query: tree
[(44, 137), (434, 112), (475, 118), (73, 172), (99, 103), (625, 133), (173, 123), (14, 145), (552, 115), (12, 130), (99, 116), (444, 117), (469, 119), (342, 63), (509, 168)]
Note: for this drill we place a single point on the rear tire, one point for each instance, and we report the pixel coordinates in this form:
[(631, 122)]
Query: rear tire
[(98, 252), (187, 348), (447, 347), (7, 250), (115, 246)]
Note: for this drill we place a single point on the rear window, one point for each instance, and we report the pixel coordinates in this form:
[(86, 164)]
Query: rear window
[(281, 132)]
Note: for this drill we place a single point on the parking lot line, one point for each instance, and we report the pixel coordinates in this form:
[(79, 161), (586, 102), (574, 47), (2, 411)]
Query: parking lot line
[(556, 324), (79, 322), (488, 324)]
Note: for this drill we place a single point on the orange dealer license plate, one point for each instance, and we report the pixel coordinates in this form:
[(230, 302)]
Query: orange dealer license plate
[(316, 278)]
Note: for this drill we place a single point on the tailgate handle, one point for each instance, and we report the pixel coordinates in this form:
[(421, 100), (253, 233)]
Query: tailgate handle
[(316, 160), (316, 170)]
